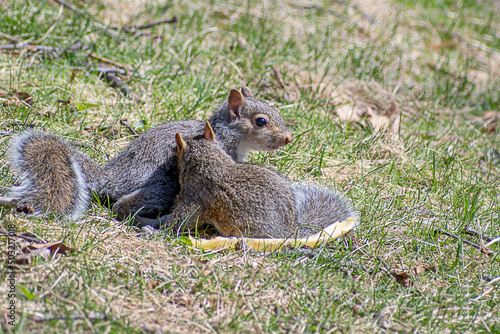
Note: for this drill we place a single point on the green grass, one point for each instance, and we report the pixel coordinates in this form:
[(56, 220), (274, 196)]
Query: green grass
[(436, 59)]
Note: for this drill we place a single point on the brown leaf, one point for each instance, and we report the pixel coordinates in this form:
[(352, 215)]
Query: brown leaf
[(402, 278), (490, 121), (55, 247), (44, 250), (74, 74), (91, 127), (25, 97), (18, 98), (68, 101), (389, 119)]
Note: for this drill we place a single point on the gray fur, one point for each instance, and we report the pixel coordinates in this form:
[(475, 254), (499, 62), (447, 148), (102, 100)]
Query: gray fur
[(240, 199), (143, 178), (43, 176), (319, 207)]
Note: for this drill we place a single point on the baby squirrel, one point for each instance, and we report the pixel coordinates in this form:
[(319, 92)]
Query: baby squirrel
[(241, 199), (141, 180)]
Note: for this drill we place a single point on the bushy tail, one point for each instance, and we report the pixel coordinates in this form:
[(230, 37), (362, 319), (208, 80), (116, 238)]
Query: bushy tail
[(53, 174), (318, 207)]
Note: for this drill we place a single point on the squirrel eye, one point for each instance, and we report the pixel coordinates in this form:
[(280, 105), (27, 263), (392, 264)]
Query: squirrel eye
[(261, 121)]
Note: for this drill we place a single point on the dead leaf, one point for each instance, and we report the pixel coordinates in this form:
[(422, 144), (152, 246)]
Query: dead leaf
[(44, 250), (55, 247), (350, 113), (91, 128), (25, 97), (402, 278), (19, 98), (490, 121)]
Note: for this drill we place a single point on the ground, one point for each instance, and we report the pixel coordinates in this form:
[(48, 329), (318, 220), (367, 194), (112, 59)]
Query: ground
[(426, 188)]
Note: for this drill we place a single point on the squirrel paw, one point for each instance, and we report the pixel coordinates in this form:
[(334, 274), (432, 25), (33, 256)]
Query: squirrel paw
[(148, 231)]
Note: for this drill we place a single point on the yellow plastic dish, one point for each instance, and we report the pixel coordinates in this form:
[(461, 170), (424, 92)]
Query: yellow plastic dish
[(327, 234)]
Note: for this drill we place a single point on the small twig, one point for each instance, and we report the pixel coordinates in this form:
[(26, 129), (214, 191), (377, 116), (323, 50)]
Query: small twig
[(55, 52), (482, 249), (10, 38), (69, 6), (113, 81), (111, 62), (279, 77), (472, 231), (125, 123), (496, 279), (77, 307), (492, 242), (73, 316), (78, 45), (28, 46)]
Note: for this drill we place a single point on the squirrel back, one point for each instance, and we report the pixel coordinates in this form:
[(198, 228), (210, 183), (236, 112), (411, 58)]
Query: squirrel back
[(51, 176), (246, 200)]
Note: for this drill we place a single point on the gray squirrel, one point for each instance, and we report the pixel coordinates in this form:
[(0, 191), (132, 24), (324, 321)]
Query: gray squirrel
[(142, 180), (245, 200)]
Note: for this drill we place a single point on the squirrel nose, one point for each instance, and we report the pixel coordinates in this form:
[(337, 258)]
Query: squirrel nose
[(288, 139)]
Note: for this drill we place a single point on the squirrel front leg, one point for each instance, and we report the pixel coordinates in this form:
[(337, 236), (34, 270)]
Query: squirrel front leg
[(184, 217)]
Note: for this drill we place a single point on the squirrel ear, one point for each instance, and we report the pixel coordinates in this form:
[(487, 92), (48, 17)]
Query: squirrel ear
[(246, 92), (209, 132), (236, 100), (181, 145)]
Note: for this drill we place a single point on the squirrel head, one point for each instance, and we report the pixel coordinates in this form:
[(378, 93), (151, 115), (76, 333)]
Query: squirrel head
[(261, 126), (183, 147)]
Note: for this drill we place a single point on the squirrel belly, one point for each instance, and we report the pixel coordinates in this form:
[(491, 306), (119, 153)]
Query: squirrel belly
[(51, 173)]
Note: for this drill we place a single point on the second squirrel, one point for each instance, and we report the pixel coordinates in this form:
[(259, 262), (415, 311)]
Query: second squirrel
[(241, 199)]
